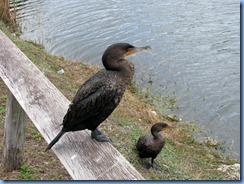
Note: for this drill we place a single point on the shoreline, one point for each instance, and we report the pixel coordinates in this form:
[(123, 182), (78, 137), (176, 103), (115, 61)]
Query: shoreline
[(182, 158)]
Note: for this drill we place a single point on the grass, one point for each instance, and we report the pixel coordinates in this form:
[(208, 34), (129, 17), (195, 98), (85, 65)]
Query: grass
[(3, 100), (163, 103), (36, 135), (2, 110), (183, 158), (25, 172)]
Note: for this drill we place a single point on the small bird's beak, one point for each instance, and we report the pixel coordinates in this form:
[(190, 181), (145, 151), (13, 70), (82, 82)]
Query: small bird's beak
[(136, 49), (168, 127)]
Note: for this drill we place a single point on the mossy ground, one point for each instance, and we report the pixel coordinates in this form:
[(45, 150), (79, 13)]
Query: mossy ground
[(183, 158)]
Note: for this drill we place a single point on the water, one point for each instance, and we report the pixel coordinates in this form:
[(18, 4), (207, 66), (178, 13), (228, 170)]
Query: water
[(195, 56)]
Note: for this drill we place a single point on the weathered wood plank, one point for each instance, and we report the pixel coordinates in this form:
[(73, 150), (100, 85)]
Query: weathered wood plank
[(84, 158), (14, 134)]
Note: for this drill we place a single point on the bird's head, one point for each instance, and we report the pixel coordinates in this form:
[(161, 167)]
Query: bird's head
[(115, 53), (158, 127)]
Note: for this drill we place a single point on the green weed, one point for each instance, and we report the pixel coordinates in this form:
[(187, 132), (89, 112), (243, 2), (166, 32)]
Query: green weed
[(2, 109), (37, 135), (25, 172)]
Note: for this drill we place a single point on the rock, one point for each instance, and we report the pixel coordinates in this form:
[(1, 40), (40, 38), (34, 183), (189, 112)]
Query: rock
[(232, 171), (173, 117), (211, 142), (153, 115), (60, 71)]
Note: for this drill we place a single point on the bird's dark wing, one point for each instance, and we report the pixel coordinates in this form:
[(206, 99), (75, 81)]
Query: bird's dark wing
[(92, 97), (142, 143)]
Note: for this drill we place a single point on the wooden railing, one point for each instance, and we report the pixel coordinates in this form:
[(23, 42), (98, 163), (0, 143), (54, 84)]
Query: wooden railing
[(32, 94)]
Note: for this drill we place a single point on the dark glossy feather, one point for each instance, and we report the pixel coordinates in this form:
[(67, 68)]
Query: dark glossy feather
[(94, 102), (148, 147)]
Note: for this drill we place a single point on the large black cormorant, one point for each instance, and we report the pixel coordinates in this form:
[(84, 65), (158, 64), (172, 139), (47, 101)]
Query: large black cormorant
[(149, 146), (101, 93)]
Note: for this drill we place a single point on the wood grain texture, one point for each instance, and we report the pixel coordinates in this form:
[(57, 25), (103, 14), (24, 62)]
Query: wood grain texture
[(84, 158), (14, 134)]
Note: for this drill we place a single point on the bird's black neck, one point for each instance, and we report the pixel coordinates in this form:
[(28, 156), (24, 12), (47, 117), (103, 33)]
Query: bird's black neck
[(124, 67), (156, 135)]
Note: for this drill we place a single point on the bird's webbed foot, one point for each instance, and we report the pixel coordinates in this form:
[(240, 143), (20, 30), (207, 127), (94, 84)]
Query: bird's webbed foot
[(99, 136), (155, 167), (144, 164)]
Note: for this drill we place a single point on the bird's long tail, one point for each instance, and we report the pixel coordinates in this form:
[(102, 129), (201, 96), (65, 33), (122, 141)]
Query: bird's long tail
[(60, 134)]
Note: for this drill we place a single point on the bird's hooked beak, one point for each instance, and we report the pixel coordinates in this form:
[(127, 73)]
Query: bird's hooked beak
[(136, 49)]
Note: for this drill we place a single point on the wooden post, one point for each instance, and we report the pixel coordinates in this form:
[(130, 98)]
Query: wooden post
[(14, 134), (4, 10)]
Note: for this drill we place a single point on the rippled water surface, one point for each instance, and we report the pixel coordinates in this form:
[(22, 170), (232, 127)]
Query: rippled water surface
[(195, 50)]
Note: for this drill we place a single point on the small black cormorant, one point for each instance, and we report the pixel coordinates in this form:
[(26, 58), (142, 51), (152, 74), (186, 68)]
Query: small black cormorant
[(101, 93), (149, 146)]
